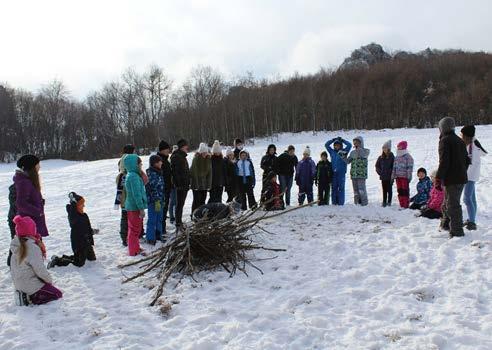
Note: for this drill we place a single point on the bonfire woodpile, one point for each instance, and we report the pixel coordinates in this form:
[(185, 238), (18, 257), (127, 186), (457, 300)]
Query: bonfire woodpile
[(207, 245)]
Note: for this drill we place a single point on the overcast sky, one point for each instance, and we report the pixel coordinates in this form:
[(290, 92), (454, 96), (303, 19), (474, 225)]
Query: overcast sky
[(85, 43)]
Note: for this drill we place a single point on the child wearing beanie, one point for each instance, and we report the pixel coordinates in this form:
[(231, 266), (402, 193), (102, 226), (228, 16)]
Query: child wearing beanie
[(384, 168), (305, 175), (402, 173)]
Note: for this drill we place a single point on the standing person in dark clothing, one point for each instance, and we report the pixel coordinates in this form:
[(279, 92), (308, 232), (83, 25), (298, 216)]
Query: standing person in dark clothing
[(285, 166), (238, 147), (164, 152), (230, 175), (268, 161), (246, 180), (201, 176), (218, 174), (384, 168), (324, 174), (452, 173), (181, 178)]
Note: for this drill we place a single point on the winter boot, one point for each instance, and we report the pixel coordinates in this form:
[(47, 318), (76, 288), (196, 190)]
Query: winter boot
[(445, 225), (471, 226), (21, 298), (384, 204)]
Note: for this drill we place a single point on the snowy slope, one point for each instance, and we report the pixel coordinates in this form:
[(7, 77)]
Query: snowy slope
[(357, 278)]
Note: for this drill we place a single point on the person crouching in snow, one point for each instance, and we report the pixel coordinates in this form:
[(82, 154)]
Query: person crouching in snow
[(324, 174), (402, 173), (31, 279), (81, 235), (305, 174), (384, 168), (433, 208), (272, 198), (155, 200), (358, 170), (424, 187), (338, 153), (245, 179), (135, 202), (216, 211)]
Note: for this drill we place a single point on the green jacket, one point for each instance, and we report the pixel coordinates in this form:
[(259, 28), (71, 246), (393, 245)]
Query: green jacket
[(136, 197), (201, 173), (358, 160)]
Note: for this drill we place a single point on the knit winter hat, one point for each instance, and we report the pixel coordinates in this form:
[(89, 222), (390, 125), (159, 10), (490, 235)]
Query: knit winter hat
[(468, 130), (422, 170), (74, 197), (307, 151), (387, 145), (402, 145), (27, 162), (129, 149), (154, 159), (216, 149), (229, 151), (203, 148), (163, 145), (181, 143), (446, 124), (25, 226)]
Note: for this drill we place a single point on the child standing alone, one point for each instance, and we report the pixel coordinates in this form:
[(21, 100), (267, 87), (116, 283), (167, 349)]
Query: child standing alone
[(402, 173), (384, 168)]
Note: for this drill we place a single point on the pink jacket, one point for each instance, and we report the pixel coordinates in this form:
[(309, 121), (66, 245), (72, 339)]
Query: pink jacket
[(436, 199)]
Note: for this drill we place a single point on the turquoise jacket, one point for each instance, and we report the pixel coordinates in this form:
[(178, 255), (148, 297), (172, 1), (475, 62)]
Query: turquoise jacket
[(136, 196)]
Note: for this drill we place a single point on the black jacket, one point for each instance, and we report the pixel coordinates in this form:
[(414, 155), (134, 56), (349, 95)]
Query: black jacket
[(180, 170), (81, 234), (324, 172), (267, 164), (453, 160), (166, 173), (285, 164), (236, 153), (230, 175), (218, 171)]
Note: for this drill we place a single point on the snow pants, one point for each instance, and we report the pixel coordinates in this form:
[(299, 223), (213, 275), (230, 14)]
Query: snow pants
[(47, 293), (451, 209), (360, 192), (323, 193), (154, 223), (338, 189), (135, 223), (403, 191), (305, 191)]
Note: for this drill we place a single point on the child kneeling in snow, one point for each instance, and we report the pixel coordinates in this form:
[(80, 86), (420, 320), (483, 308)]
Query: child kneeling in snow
[(31, 278), (433, 208), (423, 190), (81, 235), (271, 193)]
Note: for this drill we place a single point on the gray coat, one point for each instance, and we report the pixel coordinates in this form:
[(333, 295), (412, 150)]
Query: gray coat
[(31, 274)]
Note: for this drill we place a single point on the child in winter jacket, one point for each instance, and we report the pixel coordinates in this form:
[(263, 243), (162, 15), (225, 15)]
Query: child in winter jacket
[(384, 168), (358, 170), (31, 279), (81, 235), (155, 200), (135, 202), (324, 173), (423, 190), (271, 193), (338, 155), (433, 208), (402, 173), (201, 176), (305, 175), (245, 178)]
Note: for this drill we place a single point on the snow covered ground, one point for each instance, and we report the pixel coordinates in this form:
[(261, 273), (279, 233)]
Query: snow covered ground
[(351, 278)]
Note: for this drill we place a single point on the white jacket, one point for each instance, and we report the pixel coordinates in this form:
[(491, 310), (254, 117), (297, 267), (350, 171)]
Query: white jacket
[(475, 157), (30, 275)]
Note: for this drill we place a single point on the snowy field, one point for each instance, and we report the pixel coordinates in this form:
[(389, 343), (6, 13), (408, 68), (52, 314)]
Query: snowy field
[(351, 278)]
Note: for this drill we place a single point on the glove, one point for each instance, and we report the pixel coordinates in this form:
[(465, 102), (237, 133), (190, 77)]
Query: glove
[(438, 184), (157, 206), (142, 213)]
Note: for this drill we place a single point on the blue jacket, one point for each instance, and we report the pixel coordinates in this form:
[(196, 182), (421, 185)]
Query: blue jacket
[(424, 187), (305, 172), (155, 187), (251, 171), (337, 157), (136, 197)]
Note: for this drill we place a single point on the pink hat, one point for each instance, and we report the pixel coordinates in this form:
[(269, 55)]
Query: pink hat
[(402, 145), (25, 226)]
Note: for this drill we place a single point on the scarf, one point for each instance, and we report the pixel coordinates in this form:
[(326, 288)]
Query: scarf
[(401, 152)]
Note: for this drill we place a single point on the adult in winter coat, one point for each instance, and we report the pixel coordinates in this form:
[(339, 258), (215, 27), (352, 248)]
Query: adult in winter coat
[(358, 159), (218, 173), (268, 161), (433, 208), (81, 235), (452, 173), (29, 274), (424, 187), (384, 168), (271, 193), (164, 152), (285, 167), (305, 175), (338, 154), (201, 176), (119, 202), (230, 175), (156, 190), (135, 202), (324, 174), (245, 178), (475, 153), (402, 173), (181, 178)]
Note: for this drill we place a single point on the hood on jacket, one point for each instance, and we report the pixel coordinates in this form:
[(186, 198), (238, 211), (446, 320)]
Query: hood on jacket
[(131, 163), (361, 140), (216, 149), (446, 125), (121, 163)]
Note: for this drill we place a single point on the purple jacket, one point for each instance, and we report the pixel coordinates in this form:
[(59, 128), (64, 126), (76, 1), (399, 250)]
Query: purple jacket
[(29, 201), (305, 172)]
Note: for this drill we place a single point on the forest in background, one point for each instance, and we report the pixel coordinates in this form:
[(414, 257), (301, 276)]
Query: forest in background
[(370, 90)]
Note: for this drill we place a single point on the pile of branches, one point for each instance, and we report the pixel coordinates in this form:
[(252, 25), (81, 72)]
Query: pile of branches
[(207, 245)]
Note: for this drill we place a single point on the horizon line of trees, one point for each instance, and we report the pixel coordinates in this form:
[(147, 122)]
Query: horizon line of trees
[(143, 108)]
